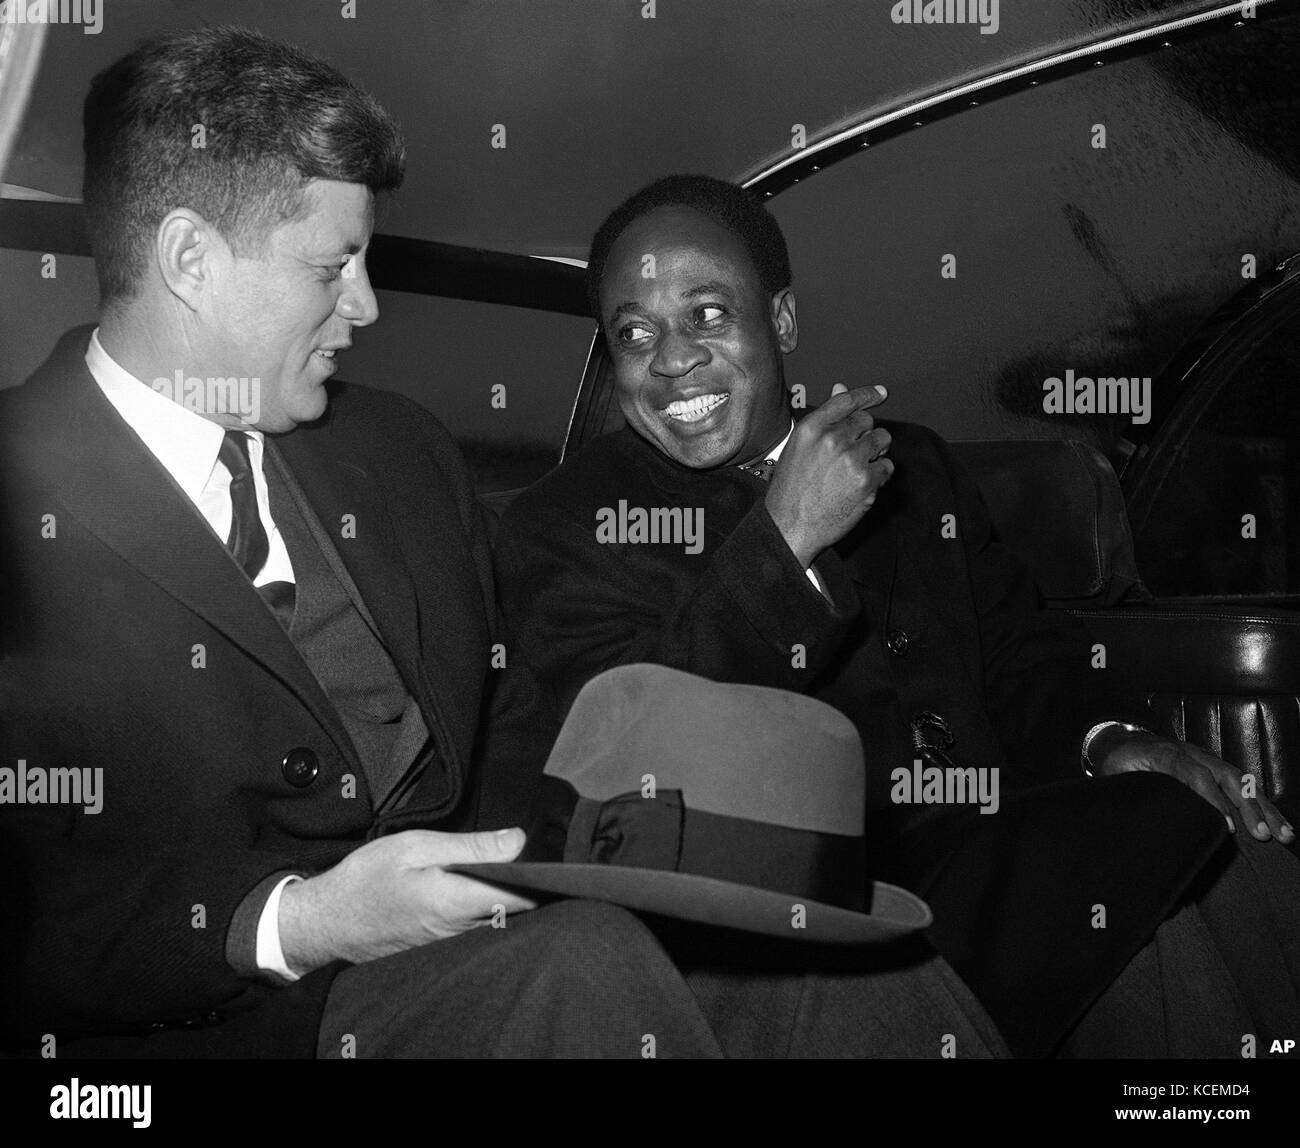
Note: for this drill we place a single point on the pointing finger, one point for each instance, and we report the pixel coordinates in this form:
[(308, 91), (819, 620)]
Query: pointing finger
[(844, 403), (868, 396)]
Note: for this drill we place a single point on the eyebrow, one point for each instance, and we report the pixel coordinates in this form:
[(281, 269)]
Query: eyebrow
[(324, 256), (707, 289), (690, 293)]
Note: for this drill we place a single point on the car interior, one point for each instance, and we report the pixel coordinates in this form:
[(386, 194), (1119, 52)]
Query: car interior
[(1163, 246), (1117, 520)]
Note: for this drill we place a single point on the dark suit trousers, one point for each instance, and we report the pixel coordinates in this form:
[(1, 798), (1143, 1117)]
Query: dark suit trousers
[(571, 979), (582, 979), (1221, 977), (797, 1001)]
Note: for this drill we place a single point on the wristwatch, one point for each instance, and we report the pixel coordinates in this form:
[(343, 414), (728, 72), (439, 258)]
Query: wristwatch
[(1084, 759)]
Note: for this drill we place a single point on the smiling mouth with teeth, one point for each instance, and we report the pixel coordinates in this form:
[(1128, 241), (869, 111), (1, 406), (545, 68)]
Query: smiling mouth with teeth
[(693, 410)]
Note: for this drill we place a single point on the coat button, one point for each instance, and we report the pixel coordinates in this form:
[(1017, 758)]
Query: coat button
[(896, 642), (300, 767)]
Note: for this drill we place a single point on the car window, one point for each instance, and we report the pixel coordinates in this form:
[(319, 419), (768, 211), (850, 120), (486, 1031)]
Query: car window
[(501, 378), (1081, 229), (1226, 517)]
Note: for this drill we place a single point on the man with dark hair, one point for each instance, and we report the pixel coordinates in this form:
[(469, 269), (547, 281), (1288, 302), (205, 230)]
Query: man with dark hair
[(726, 204), (164, 127), (243, 675), (824, 569)]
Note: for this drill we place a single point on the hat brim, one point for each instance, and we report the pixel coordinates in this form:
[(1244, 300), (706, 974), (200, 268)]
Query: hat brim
[(708, 901)]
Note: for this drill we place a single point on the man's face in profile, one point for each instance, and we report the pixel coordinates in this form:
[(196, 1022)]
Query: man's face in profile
[(281, 312), (697, 347)]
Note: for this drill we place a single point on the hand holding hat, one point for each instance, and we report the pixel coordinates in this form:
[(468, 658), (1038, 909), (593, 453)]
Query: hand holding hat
[(731, 805)]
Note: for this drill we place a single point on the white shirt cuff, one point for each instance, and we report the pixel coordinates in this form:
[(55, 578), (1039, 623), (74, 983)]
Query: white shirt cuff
[(270, 957)]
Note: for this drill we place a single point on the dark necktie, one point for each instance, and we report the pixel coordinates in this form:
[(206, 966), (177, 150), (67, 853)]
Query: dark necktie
[(247, 541), (761, 470)]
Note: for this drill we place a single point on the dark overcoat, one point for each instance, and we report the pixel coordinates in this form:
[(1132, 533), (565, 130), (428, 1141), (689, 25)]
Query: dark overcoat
[(1038, 906)]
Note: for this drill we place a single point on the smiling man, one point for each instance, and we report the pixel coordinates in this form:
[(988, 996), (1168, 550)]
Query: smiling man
[(702, 277), (283, 315), (268, 630), (826, 570)]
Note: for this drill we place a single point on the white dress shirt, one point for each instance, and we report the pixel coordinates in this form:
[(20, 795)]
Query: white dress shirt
[(774, 455), (186, 444)]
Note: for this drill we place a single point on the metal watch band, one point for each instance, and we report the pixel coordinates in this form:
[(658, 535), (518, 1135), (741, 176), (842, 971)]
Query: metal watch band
[(1088, 737)]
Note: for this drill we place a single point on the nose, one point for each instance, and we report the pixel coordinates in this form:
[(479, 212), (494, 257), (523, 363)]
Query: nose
[(677, 354), (357, 302)]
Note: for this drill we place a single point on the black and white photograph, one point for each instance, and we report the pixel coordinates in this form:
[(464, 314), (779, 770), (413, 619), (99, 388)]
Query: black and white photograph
[(655, 530)]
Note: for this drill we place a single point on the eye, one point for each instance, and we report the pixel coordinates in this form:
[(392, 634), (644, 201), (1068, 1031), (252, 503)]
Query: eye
[(344, 269), (633, 333), (709, 313)]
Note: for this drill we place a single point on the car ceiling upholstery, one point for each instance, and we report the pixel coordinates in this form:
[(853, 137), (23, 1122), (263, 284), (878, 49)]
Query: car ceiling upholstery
[(596, 99)]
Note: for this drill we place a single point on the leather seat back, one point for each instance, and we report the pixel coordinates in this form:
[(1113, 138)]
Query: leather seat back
[(1220, 676), (1058, 505), (1224, 679)]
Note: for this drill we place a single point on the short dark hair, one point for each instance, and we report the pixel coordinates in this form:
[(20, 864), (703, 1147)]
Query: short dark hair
[(728, 204), (272, 117)]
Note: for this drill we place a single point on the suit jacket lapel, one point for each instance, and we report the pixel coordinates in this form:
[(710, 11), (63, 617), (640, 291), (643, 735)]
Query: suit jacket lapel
[(115, 487), (350, 508), (355, 534), (726, 492), (871, 552)]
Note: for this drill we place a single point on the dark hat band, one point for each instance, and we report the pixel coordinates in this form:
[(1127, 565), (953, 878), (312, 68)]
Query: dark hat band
[(660, 832)]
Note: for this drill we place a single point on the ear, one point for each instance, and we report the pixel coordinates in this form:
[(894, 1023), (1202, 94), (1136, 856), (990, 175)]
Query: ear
[(784, 322), (185, 247)]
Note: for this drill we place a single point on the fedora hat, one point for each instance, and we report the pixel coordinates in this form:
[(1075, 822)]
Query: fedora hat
[(731, 805)]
